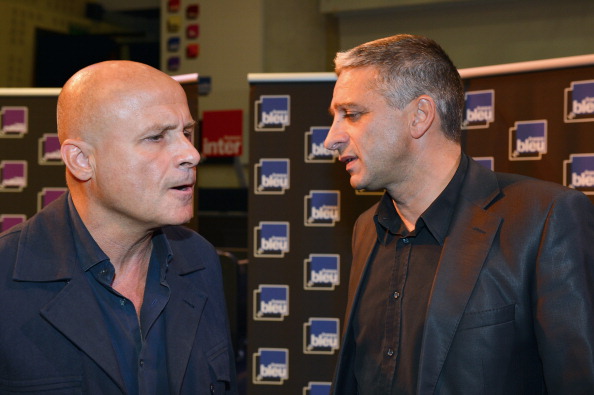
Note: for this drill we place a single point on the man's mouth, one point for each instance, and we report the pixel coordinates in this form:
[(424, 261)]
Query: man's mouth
[(184, 187), (347, 159)]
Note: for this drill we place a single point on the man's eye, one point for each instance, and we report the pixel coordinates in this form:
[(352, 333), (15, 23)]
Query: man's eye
[(352, 115), (188, 133), (156, 137)]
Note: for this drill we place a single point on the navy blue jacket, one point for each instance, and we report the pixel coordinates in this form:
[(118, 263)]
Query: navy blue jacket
[(53, 340)]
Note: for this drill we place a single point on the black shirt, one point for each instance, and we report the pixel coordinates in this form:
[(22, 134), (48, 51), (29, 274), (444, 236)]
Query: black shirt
[(389, 318), (138, 342)]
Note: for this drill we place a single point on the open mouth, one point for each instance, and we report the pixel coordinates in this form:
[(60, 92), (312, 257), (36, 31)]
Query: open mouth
[(347, 159)]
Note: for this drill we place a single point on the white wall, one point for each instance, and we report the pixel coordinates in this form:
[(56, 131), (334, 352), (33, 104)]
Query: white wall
[(480, 33)]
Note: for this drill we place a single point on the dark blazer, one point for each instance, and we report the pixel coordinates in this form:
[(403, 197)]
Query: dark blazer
[(511, 309), (52, 337)]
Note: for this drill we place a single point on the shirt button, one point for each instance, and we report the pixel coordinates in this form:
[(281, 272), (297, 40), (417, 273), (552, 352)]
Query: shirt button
[(122, 302), (396, 294), (405, 240), (141, 363), (390, 352), (212, 388)]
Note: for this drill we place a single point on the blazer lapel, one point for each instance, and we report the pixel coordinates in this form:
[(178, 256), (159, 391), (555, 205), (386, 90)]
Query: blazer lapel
[(466, 248), (366, 236), (183, 314), (75, 313), (46, 256)]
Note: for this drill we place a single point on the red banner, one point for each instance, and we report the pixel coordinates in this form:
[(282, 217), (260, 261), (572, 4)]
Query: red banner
[(222, 133)]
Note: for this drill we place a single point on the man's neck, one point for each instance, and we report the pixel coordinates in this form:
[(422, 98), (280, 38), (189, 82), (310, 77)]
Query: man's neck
[(431, 177), (129, 251), (130, 276)]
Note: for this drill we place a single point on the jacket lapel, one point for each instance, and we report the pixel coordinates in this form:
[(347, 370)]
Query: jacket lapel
[(75, 313), (466, 248), (184, 311), (47, 256), (365, 235)]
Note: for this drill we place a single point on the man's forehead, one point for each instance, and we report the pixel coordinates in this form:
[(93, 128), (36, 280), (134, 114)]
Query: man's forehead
[(351, 90), (139, 98)]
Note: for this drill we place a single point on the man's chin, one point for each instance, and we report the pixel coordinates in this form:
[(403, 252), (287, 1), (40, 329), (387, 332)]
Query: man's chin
[(357, 184), (181, 219)]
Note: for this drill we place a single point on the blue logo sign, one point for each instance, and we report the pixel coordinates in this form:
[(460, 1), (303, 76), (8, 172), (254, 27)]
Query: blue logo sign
[(317, 388), (271, 302), (579, 102), (49, 150), (479, 110), (271, 239), (322, 208), (320, 336), (321, 272), (315, 152), (273, 113), (173, 44), (271, 176), (7, 221), (578, 172), (270, 366), (14, 122), (13, 175), (528, 140), (486, 161)]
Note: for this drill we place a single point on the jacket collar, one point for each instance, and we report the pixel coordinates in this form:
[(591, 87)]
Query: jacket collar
[(45, 247), (47, 253)]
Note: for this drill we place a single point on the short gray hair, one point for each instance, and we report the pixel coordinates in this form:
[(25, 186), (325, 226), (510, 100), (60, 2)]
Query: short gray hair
[(409, 66)]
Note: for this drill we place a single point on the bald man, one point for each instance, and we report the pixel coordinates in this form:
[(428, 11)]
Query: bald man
[(102, 291)]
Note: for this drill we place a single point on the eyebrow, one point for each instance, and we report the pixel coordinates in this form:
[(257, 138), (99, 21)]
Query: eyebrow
[(172, 126), (341, 106), (190, 124)]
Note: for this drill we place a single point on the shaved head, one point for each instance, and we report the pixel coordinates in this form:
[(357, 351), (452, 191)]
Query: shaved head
[(125, 133), (93, 97)]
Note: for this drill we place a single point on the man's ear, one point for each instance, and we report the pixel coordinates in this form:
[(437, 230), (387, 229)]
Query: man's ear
[(423, 115), (77, 155)]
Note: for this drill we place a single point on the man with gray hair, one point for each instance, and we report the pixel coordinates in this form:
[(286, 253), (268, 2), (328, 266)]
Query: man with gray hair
[(463, 281)]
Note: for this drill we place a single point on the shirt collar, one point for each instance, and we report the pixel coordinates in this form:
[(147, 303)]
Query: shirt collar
[(436, 217), (162, 251), (89, 253)]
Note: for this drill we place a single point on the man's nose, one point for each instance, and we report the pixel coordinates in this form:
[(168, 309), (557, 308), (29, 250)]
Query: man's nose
[(335, 136), (188, 154)]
